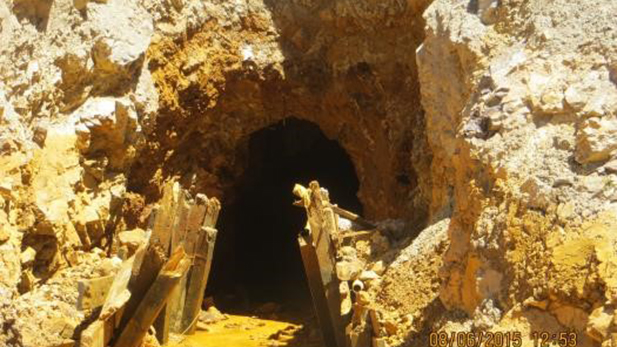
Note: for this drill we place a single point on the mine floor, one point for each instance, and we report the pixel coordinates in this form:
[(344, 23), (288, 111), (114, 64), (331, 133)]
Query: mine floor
[(292, 328)]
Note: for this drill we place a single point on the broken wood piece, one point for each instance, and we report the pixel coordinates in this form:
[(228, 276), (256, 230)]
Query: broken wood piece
[(353, 217), (379, 342), (163, 235), (171, 314), (99, 333), (345, 214), (355, 234), (212, 214), (155, 255), (359, 337), (319, 258), (118, 295), (93, 335), (202, 213), (93, 292), (320, 301), (154, 300), (198, 278)]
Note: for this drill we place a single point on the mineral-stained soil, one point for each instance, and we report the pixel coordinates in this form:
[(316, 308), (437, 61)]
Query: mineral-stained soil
[(483, 135)]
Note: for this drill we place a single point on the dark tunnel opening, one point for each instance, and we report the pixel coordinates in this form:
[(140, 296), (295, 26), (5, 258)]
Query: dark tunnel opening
[(257, 258)]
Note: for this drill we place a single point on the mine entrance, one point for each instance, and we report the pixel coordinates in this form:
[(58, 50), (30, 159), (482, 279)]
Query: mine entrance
[(256, 258)]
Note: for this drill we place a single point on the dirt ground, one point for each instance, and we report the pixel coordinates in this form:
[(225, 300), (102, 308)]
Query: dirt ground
[(252, 331)]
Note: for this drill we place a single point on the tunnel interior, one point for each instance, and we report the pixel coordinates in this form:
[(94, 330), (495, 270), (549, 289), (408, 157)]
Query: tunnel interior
[(256, 257)]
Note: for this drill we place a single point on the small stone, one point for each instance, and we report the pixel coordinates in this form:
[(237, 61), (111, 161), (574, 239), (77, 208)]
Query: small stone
[(368, 276), (565, 211), (574, 98), (596, 140), (27, 282), (390, 327), (4, 236), (563, 181), (379, 268), (407, 319), (347, 270), (532, 302), (6, 188), (599, 323), (611, 166), (28, 256), (344, 224), (562, 143), (593, 184), (80, 4), (348, 251), (132, 238), (202, 326), (212, 315), (110, 266)]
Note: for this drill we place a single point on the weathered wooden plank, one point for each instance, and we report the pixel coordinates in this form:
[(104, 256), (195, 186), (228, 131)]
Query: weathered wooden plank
[(320, 301), (319, 260), (154, 300), (212, 213), (198, 278), (202, 262), (166, 234), (157, 253), (168, 320), (353, 217), (164, 220), (194, 222), (345, 214), (119, 294), (93, 335), (179, 228), (187, 227)]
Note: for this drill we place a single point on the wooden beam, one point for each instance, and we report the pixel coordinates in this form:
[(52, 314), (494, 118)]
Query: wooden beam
[(320, 301), (198, 278), (154, 300), (171, 316), (202, 251), (345, 214), (318, 255)]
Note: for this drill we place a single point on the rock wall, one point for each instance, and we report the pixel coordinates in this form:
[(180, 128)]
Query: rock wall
[(251, 66), (520, 101)]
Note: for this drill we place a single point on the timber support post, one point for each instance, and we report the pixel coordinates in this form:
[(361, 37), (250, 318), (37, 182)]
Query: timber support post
[(319, 258)]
